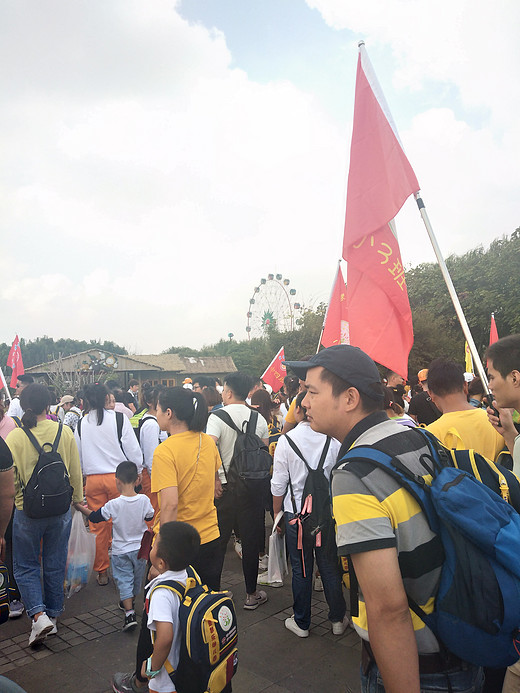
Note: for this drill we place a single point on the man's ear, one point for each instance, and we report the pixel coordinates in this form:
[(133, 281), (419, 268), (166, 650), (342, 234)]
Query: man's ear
[(351, 399), (515, 378)]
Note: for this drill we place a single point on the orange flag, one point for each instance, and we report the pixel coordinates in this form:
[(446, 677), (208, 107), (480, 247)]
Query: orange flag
[(336, 327)]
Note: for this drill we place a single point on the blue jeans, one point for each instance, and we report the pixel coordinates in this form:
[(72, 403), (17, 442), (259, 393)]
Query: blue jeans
[(52, 533), (469, 680), (128, 572), (302, 586), (8, 686)]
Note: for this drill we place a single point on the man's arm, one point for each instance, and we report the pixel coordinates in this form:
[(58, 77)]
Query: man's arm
[(390, 626), (168, 502)]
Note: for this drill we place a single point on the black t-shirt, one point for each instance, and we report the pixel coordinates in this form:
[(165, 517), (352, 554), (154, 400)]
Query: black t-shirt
[(6, 459), (424, 409)]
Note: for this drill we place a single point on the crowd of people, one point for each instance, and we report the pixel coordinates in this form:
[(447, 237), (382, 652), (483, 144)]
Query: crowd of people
[(147, 461)]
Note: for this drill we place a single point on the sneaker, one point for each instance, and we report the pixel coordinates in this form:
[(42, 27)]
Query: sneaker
[(16, 608), (126, 683), (40, 629), (238, 548), (263, 562), (339, 627), (130, 621), (254, 600), (291, 625), (262, 579), (318, 584), (55, 629)]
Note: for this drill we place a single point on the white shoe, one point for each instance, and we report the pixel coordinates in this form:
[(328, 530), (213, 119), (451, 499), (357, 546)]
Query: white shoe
[(238, 548), (16, 608), (339, 627), (262, 579), (55, 629), (318, 584), (291, 625), (263, 562), (40, 629)]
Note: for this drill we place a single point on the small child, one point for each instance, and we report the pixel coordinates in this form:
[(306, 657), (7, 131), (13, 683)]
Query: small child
[(175, 548), (129, 514)]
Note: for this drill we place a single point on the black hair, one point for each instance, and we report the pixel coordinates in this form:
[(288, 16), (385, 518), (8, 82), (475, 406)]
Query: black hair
[(187, 405), (505, 354), (291, 385), (151, 395), (299, 399), (475, 387), (112, 385), (445, 377), (390, 403), (25, 378), (239, 383), (127, 472), (178, 544), (34, 400), (96, 396), (118, 395), (204, 381), (133, 382), (368, 404)]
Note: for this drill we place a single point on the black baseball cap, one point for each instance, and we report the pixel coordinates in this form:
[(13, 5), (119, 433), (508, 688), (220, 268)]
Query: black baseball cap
[(347, 362)]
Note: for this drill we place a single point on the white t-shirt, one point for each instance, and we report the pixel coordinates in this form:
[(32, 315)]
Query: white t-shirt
[(226, 436), (15, 409), (164, 607), (286, 461), (99, 448), (149, 438), (128, 515)]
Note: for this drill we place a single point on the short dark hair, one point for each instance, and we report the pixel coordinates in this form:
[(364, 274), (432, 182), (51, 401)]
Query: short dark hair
[(505, 354), (239, 383), (368, 404), (112, 385), (204, 381), (476, 387), (445, 377), (127, 472), (25, 378), (179, 544), (133, 382)]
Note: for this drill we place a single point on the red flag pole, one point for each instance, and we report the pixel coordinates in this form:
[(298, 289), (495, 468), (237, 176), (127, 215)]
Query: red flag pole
[(453, 294)]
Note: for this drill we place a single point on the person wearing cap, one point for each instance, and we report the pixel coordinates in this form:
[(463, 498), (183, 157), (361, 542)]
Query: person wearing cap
[(382, 528), (64, 405), (461, 425), (422, 409), (187, 383)]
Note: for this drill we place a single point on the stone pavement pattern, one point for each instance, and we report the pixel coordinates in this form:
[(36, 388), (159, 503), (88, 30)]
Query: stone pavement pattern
[(90, 646)]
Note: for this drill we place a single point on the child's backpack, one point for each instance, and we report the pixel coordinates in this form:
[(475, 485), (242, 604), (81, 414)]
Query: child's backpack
[(48, 492), (208, 655), (250, 466), (314, 519), (477, 606), (275, 433)]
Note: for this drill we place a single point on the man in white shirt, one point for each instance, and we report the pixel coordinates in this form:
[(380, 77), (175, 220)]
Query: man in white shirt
[(238, 509), (14, 408)]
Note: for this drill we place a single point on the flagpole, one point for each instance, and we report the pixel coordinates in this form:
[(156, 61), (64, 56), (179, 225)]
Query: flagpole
[(453, 294), (328, 306), (2, 377)]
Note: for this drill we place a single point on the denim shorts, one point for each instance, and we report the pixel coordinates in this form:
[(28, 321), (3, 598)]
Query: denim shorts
[(128, 572)]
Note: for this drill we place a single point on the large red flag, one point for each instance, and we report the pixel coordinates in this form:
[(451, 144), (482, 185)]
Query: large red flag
[(380, 179), (336, 328), (275, 371), (14, 361), (493, 332)]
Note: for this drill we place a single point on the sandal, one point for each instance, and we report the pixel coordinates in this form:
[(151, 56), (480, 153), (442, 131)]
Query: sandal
[(102, 578), (254, 600)]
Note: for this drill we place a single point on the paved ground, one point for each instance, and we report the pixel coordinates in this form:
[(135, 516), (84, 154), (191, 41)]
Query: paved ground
[(90, 646)]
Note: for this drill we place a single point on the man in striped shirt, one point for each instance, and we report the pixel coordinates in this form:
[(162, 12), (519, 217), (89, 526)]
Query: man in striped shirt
[(380, 525)]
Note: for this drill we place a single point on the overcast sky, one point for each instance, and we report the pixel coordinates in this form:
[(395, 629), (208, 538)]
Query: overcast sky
[(158, 157)]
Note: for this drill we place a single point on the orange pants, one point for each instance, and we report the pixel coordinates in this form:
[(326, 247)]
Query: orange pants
[(99, 489), (146, 483)]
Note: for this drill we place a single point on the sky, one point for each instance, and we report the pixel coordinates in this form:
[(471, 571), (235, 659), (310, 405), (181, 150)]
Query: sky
[(160, 157)]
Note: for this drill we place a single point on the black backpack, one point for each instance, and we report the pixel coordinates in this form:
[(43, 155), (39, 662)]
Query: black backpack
[(48, 492), (315, 515), (142, 420), (250, 466)]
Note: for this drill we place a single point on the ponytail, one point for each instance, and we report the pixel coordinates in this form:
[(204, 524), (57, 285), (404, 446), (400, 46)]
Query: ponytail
[(188, 406), (34, 400), (96, 396)]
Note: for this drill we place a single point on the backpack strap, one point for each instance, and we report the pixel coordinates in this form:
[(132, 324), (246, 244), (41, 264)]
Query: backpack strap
[(17, 421), (36, 444), (177, 588), (119, 424), (252, 422), (225, 417), (78, 427)]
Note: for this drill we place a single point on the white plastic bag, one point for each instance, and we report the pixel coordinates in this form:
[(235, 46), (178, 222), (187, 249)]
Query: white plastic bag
[(277, 566), (80, 559)]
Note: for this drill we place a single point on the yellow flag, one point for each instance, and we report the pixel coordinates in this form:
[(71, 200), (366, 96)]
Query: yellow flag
[(468, 359)]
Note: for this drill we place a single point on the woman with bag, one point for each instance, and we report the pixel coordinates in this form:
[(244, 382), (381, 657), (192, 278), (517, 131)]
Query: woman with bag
[(51, 531), (105, 438)]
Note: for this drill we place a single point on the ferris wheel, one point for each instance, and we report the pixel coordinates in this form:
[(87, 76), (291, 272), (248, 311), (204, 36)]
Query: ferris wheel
[(273, 304)]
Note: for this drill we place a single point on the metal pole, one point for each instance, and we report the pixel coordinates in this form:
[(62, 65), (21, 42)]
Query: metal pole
[(2, 377), (453, 294)]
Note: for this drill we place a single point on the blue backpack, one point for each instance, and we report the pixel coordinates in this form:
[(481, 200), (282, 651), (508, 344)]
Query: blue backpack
[(477, 606)]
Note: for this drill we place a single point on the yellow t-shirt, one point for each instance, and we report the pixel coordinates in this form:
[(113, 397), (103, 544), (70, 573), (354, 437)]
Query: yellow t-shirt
[(289, 417), (25, 456), (178, 462), (468, 429)]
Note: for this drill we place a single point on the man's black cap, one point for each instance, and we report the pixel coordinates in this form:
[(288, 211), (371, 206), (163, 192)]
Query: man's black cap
[(347, 362)]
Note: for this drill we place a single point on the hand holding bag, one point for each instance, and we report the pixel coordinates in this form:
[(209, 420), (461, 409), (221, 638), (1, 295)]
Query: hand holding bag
[(277, 566), (80, 558)]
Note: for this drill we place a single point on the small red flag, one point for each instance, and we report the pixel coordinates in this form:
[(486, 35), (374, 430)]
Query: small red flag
[(493, 332), (380, 179), (14, 361), (336, 328), (275, 372)]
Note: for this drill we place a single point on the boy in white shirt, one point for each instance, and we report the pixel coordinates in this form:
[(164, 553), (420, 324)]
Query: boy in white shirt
[(176, 546), (129, 513)]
